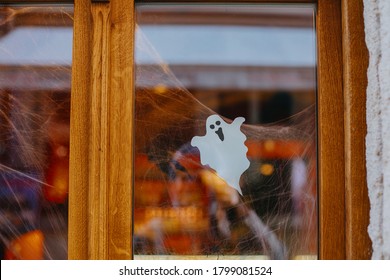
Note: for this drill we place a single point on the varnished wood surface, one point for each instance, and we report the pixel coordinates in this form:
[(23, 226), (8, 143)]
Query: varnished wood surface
[(330, 131), (80, 118), (101, 132), (121, 104), (355, 61), (100, 129)]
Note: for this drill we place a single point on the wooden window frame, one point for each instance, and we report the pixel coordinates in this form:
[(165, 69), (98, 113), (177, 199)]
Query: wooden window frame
[(102, 106)]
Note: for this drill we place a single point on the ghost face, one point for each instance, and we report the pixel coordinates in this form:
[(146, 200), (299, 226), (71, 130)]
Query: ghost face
[(214, 125)]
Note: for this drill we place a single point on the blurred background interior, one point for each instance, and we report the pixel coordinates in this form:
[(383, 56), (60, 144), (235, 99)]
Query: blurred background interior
[(257, 62)]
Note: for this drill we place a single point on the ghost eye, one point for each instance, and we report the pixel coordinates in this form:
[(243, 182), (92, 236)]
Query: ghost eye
[(217, 122), (212, 126)]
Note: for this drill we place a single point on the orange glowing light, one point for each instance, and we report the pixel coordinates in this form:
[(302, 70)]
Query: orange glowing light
[(28, 246)]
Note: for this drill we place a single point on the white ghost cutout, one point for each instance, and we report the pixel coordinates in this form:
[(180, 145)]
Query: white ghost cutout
[(223, 149)]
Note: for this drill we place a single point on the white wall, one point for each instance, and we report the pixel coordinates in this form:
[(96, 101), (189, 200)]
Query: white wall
[(377, 27)]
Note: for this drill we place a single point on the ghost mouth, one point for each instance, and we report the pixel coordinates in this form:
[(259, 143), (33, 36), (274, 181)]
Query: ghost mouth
[(219, 132)]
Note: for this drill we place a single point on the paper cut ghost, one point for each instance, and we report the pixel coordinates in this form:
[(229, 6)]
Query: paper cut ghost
[(223, 149)]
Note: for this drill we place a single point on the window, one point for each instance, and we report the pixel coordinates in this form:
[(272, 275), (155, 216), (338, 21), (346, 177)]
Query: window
[(35, 82), (201, 196), (102, 129)]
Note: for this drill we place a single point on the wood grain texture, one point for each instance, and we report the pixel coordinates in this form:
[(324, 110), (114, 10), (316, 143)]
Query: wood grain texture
[(121, 129), (79, 132), (101, 131), (99, 134), (330, 131), (355, 61)]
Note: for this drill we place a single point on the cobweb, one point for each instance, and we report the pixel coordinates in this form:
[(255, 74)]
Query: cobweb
[(184, 209), (34, 131)]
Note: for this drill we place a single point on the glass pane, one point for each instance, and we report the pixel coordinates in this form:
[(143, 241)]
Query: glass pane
[(225, 163), (35, 77)]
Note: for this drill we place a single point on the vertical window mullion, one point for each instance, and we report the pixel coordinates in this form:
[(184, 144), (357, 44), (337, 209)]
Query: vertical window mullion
[(101, 131)]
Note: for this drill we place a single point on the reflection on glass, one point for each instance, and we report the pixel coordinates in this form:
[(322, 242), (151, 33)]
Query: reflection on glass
[(35, 70), (250, 61)]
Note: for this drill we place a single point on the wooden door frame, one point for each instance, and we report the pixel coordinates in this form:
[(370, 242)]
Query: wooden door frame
[(355, 63), (101, 184), (342, 80)]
